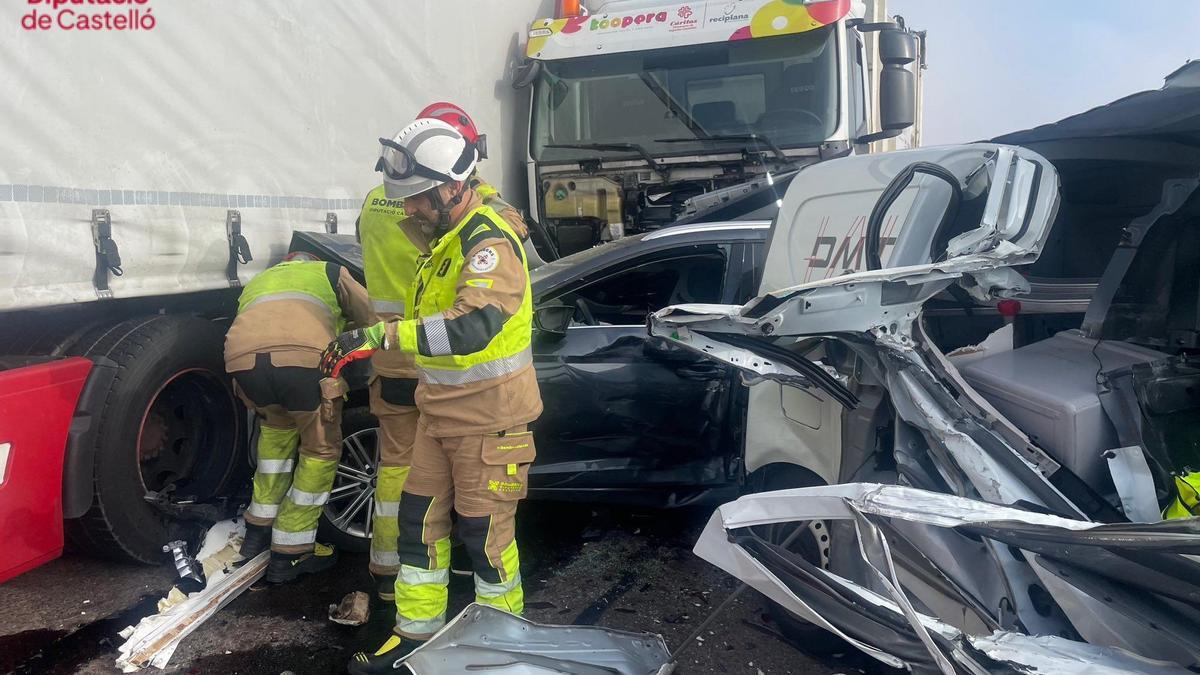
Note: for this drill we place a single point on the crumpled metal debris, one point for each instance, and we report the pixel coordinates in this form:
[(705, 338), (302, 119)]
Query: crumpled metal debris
[(191, 573), (484, 639), (887, 604)]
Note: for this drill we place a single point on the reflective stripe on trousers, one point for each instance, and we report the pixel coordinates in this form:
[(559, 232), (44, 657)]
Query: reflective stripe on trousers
[(296, 524), (265, 511), (421, 599), (276, 466), (421, 594), (276, 454), (509, 594), (385, 527), (478, 372)]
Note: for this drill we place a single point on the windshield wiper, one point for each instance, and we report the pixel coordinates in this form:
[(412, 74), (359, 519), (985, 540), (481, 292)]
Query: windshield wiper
[(614, 147), (736, 138)]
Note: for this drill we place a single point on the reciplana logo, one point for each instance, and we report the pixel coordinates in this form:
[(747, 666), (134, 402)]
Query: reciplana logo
[(88, 15)]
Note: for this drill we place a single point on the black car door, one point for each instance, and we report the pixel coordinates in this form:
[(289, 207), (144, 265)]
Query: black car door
[(626, 417)]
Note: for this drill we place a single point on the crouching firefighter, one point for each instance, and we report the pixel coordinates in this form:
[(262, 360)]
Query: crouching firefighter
[(477, 392), (286, 315)]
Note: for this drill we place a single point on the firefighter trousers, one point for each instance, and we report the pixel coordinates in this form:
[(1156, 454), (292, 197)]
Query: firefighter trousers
[(292, 484), (393, 405), (481, 478)]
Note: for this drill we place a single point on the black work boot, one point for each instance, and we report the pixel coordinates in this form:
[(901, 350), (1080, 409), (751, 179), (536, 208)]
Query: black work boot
[(385, 586), (285, 567), (386, 659), (257, 540)]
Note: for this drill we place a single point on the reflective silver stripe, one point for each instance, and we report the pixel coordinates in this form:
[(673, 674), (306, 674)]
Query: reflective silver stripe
[(278, 536), (415, 576), (291, 295), (485, 590), (436, 335), (274, 466), (387, 509), (385, 558), (478, 372), (388, 306), (302, 498), (414, 627), (263, 510)]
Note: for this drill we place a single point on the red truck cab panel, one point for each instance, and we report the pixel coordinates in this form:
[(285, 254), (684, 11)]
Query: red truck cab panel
[(37, 403)]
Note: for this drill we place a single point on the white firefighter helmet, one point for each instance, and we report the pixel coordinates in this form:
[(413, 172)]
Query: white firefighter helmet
[(425, 154)]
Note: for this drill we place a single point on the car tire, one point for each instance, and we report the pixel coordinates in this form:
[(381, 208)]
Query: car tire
[(813, 545), (169, 417), (358, 426)]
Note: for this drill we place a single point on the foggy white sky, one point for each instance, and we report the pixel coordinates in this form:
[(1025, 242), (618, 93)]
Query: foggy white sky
[(996, 67)]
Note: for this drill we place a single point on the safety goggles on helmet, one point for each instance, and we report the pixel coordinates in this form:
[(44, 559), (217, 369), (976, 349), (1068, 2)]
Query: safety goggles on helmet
[(398, 163)]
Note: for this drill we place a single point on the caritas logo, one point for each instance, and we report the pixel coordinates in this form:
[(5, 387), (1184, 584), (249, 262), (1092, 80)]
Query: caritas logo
[(627, 21), (684, 20), (88, 15)]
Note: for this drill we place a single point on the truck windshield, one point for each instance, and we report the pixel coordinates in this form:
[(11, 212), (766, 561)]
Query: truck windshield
[(784, 88)]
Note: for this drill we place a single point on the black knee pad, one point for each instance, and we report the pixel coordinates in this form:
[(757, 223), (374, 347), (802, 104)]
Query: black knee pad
[(411, 519), (474, 534)]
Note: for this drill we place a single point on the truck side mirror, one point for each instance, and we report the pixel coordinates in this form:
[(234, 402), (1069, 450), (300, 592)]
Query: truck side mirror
[(553, 320), (898, 54), (897, 82), (525, 72)]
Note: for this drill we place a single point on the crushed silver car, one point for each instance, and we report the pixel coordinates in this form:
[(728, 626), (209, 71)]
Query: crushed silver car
[(1043, 428)]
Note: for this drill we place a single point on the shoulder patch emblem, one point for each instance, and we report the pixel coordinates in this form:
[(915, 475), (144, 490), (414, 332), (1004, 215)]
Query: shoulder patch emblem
[(484, 260)]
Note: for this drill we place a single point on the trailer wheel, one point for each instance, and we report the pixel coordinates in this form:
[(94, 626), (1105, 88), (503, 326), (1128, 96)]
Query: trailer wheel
[(169, 418), (812, 544)]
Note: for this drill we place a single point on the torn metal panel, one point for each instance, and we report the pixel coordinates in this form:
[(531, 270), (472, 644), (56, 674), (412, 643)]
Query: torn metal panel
[(1135, 484), (894, 618), (1069, 658), (1118, 615), (484, 639)]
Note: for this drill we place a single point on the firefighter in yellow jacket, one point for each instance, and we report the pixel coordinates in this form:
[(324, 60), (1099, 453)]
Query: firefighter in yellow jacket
[(391, 245), (470, 333), (286, 316)]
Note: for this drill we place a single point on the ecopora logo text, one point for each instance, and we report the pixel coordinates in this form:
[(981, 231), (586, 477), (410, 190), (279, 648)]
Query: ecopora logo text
[(88, 15)]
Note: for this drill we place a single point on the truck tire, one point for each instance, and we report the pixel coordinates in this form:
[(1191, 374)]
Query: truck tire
[(169, 418), (812, 544), (358, 426)]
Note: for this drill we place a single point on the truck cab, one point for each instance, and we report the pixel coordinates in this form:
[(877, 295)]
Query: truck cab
[(646, 112)]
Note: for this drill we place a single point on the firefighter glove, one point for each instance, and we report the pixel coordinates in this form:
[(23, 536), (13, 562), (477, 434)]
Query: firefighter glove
[(350, 346)]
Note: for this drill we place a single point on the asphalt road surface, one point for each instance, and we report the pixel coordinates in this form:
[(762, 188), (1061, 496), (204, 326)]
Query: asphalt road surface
[(620, 569)]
